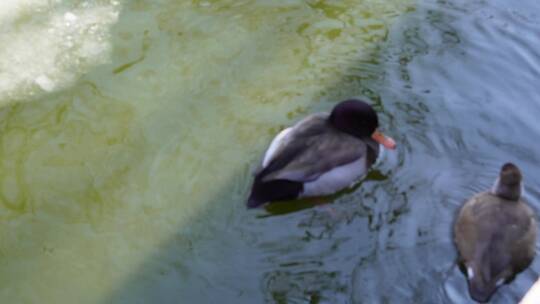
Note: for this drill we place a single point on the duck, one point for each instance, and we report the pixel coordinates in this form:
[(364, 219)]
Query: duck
[(320, 155), (495, 235)]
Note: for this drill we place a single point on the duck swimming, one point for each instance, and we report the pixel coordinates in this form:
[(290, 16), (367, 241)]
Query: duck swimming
[(320, 155), (495, 235)]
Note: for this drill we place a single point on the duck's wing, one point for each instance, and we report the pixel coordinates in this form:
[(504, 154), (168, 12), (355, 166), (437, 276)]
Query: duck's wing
[(309, 126), (277, 143), (466, 232), (311, 149), (524, 235)]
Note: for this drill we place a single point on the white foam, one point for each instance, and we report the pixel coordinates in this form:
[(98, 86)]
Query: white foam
[(46, 45)]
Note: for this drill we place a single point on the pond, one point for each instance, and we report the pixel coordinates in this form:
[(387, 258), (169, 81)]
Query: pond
[(130, 130)]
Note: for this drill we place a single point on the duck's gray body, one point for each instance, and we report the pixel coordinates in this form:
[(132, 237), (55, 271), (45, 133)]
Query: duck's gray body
[(311, 158), (495, 237)]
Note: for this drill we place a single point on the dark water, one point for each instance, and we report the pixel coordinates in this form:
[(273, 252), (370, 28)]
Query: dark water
[(455, 83)]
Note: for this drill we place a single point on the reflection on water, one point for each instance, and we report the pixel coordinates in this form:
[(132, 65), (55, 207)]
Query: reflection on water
[(284, 207), (129, 185)]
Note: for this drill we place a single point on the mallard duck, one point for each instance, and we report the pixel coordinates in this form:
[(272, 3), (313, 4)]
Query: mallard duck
[(321, 154), (495, 235)]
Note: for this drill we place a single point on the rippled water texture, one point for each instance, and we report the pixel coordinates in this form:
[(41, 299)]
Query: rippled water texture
[(129, 132)]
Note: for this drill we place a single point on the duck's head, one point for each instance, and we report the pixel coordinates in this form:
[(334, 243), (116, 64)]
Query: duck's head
[(358, 118), (509, 183)]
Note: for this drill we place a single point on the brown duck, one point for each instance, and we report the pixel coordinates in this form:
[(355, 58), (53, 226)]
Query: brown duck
[(495, 235)]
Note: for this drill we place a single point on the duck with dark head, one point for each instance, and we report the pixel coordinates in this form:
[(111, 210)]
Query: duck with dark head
[(320, 155), (495, 235)]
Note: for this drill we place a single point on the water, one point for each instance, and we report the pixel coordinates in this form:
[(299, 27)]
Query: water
[(127, 150)]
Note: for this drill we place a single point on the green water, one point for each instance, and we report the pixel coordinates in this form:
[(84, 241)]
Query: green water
[(129, 132), (99, 174)]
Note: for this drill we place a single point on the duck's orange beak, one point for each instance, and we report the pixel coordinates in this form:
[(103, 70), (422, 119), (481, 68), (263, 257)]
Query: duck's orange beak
[(386, 141)]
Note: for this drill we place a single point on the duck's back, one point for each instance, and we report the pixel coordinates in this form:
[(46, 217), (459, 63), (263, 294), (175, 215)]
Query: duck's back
[(497, 233), (311, 148)]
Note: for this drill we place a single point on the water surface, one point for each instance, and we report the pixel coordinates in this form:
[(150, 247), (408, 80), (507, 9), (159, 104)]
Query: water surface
[(126, 152)]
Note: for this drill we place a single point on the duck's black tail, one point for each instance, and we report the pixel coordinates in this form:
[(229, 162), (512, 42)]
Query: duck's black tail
[(274, 190)]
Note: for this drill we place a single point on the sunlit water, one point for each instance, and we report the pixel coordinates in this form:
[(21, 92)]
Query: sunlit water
[(129, 132)]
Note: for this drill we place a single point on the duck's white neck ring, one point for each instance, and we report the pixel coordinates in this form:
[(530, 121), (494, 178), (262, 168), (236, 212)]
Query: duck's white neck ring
[(380, 155)]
